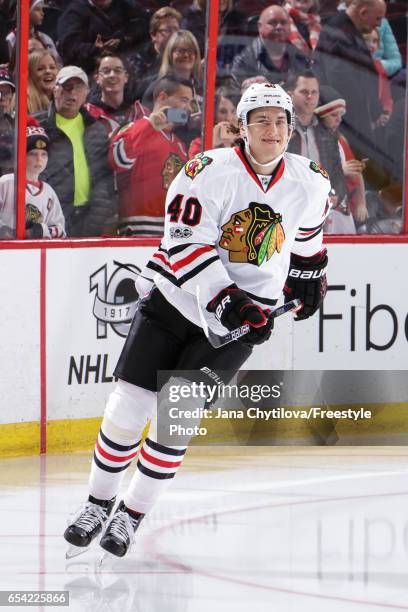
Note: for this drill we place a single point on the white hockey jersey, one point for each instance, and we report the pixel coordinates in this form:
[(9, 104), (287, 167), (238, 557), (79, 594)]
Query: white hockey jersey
[(225, 225), (42, 206)]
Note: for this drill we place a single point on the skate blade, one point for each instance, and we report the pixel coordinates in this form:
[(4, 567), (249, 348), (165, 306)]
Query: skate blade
[(105, 561), (75, 551)]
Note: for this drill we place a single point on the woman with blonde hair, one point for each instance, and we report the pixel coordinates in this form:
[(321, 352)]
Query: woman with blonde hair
[(182, 57), (42, 73)]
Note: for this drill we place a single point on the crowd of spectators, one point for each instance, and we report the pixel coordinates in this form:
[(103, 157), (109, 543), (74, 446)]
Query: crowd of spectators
[(117, 87)]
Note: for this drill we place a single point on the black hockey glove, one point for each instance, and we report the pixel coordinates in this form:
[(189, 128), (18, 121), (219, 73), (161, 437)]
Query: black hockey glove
[(307, 281), (233, 308)]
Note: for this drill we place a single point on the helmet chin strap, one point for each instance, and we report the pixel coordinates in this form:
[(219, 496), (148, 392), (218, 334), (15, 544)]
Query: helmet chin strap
[(269, 166)]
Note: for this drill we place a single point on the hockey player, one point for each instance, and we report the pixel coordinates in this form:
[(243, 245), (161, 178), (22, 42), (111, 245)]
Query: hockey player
[(44, 216), (243, 224)]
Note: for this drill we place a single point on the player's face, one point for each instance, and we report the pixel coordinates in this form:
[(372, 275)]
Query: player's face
[(234, 234), (69, 97), (333, 120), (112, 76), (268, 133), (46, 74), (37, 160), (305, 95)]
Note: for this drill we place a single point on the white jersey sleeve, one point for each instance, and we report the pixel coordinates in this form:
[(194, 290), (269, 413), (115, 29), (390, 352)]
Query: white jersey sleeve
[(54, 220)]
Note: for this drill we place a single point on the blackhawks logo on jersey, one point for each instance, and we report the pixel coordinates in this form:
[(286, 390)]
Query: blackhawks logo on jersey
[(253, 235), (33, 214), (318, 169), (197, 165)]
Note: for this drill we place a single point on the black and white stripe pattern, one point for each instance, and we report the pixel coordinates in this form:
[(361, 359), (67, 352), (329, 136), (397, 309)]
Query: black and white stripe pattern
[(119, 155), (141, 226)]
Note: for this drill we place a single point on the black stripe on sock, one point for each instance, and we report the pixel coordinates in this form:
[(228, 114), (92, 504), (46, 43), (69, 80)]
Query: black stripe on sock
[(108, 468), (164, 449), (117, 447), (152, 474)]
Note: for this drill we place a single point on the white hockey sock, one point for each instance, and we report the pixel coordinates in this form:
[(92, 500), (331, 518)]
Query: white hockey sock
[(128, 410), (156, 467), (109, 464)]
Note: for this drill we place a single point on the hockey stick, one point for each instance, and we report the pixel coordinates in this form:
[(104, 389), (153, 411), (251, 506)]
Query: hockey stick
[(217, 341), (214, 339)]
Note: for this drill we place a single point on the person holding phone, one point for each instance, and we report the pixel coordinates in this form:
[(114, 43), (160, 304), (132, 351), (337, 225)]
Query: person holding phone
[(148, 155)]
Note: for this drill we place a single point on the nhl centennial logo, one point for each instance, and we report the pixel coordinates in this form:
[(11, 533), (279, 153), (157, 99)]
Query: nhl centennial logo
[(115, 298)]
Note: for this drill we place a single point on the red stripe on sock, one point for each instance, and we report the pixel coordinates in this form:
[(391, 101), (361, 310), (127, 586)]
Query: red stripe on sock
[(114, 457), (160, 462)]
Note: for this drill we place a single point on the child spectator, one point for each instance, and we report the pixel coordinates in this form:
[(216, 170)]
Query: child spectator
[(330, 111), (44, 218), (372, 40), (42, 74), (388, 52)]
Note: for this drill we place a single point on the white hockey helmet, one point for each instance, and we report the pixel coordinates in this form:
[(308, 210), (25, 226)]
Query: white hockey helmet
[(259, 95)]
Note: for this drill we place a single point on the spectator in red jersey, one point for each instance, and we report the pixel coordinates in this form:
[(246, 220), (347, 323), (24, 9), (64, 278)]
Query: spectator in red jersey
[(151, 155), (110, 103)]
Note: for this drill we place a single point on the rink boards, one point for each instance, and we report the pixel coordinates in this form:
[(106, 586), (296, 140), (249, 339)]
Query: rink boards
[(64, 317)]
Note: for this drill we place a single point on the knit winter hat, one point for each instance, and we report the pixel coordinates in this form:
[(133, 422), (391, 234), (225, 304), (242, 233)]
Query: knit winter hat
[(33, 3), (36, 136), (5, 79), (330, 100)]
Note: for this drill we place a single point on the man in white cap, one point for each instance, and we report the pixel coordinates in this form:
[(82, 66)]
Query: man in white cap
[(78, 169), (243, 225)]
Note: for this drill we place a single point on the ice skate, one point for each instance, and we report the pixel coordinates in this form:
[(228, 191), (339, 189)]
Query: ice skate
[(87, 524), (119, 534)]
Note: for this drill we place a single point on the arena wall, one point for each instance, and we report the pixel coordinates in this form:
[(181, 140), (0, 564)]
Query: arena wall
[(63, 323)]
